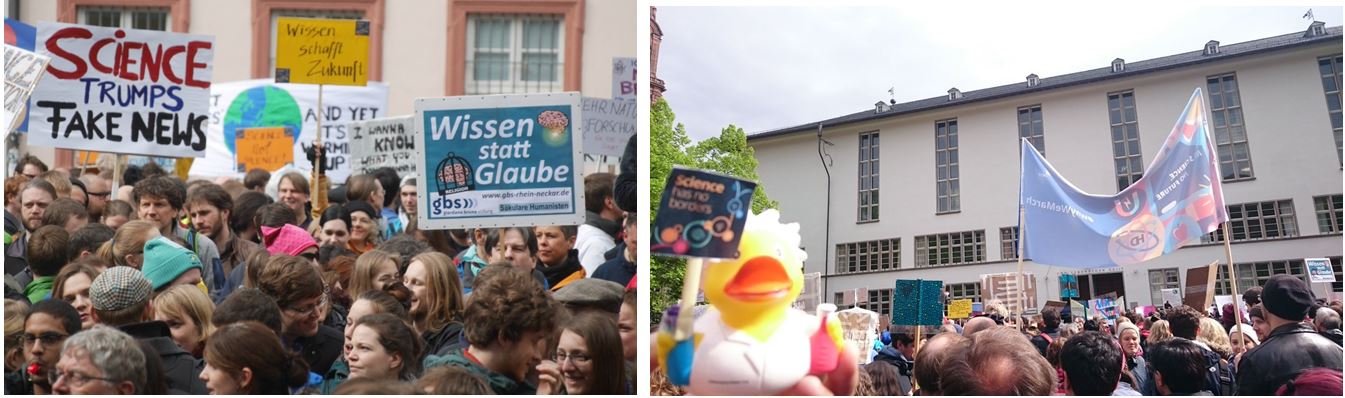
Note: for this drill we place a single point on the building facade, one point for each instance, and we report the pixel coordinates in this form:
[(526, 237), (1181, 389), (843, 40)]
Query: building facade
[(420, 48), (929, 189)]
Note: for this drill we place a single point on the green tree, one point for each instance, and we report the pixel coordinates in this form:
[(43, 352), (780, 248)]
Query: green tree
[(670, 146)]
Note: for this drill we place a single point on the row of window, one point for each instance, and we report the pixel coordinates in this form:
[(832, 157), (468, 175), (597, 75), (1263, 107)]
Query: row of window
[(506, 53), (1227, 123), (1248, 221)]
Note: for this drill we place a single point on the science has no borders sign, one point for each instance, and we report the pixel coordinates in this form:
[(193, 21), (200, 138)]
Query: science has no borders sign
[(499, 161), (123, 90)]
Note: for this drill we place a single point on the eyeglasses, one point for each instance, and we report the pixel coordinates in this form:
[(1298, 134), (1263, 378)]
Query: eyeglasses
[(100, 194), (73, 379), (47, 339), (311, 310), (578, 359)]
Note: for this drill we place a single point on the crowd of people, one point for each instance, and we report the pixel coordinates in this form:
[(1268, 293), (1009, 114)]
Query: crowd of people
[(156, 285), (1289, 343)]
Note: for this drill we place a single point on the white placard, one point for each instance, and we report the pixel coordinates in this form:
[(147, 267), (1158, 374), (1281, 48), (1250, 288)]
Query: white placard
[(623, 79), (608, 125), (388, 142)]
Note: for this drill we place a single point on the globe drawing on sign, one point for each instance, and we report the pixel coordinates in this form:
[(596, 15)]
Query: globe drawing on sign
[(265, 106)]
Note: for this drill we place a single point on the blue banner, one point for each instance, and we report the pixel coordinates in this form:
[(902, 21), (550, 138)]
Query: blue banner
[(1178, 200)]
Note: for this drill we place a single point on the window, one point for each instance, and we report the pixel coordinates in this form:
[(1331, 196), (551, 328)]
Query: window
[(958, 291), (1159, 279), (950, 248), (945, 165), (147, 18), (874, 255), (880, 301), (1330, 70), (1008, 243), (1258, 220), (868, 177), (1328, 213), (508, 53), (1230, 132), (1125, 138), (1257, 273), (1030, 127), (313, 14)]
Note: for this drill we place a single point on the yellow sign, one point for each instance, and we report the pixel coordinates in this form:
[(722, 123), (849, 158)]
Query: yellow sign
[(322, 51), (958, 309), (267, 148)]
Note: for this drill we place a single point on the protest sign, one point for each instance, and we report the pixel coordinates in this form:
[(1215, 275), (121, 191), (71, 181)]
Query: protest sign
[(917, 303), (23, 69), (701, 214), (262, 103), (266, 148), (124, 90), (608, 125), (1319, 270), (1199, 291), (388, 142), (1171, 295), (1004, 288), (21, 35), (322, 51), (501, 160), (859, 328), (811, 296), (958, 309), (1078, 309), (1069, 286), (623, 79)]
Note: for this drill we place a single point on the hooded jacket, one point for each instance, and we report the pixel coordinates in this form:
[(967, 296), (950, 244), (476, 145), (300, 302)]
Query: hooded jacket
[(181, 369), (904, 366), (501, 384)]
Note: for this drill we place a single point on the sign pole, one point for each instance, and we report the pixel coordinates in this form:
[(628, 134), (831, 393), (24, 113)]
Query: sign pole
[(1233, 280), (313, 184), (690, 285), (1022, 284), (116, 174), (919, 312)]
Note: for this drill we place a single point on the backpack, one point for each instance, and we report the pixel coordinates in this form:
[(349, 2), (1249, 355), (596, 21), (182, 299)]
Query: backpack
[(1219, 377)]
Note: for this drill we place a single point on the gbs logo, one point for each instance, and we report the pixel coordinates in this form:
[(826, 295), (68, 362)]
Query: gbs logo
[(442, 205)]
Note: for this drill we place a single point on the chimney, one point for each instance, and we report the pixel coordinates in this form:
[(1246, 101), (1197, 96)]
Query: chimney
[(1212, 47), (954, 94), (1118, 65), (880, 107), (1032, 80), (1318, 28)]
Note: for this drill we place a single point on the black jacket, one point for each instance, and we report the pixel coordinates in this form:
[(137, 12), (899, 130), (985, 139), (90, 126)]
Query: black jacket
[(904, 366), (1288, 351), (320, 350), (445, 341), (623, 189), (616, 270), (181, 370)]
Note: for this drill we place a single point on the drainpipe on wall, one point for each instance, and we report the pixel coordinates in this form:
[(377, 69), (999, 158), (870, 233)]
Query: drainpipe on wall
[(826, 242)]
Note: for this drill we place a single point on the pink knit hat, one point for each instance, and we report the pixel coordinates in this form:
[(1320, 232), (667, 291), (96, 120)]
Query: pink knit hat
[(288, 239)]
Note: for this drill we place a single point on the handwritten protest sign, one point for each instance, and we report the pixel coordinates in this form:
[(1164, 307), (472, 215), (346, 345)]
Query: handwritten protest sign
[(859, 328), (322, 51), (958, 309), (608, 125), (623, 79), (266, 148), (263, 103), (501, 160), (123, 90), (701, 214), (917, 302), (388, 142), (23, 69)]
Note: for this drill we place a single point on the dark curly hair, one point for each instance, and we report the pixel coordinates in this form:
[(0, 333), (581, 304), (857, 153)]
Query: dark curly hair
[(161, 186), (506, 302)]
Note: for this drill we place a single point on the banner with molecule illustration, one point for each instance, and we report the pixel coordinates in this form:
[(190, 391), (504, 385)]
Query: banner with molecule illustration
[(499, 161), (701, 214)]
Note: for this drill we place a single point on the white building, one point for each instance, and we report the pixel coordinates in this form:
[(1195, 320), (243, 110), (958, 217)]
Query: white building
[(948, 206), (420, 48)]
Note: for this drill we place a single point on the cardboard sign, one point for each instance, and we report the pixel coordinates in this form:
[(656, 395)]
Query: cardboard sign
[(155, 102), (917, 302), (959, 309), (262, 103), (501, 160), (1319, 270), (388, 142), (608, 125), (1004, 287), (701, 214), (322, 51), (1059, 306), (1077, 309), (1170, 295), (859, 328), (623, 79), (1200, 286), (266, 148), (23, 69)]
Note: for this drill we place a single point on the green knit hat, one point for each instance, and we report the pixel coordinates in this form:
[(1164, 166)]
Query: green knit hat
[(165, 261)]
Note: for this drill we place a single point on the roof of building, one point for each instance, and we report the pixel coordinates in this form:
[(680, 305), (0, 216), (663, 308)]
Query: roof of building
[(1192, 58)]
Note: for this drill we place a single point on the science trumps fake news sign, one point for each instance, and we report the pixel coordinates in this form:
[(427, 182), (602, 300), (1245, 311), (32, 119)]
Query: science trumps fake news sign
[(502, 160), (122, 90)]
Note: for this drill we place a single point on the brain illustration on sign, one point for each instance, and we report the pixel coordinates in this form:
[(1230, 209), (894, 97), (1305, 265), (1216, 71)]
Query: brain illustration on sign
[(265, 106), (556, 125)]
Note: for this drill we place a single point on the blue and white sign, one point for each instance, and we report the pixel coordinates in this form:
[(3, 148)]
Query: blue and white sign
[(1319, 270), (499, 161)]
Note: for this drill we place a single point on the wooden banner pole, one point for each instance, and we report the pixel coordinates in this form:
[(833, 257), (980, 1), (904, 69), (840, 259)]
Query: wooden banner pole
[(313, 185), (685, 312), (1233, 281), (1022, 283)]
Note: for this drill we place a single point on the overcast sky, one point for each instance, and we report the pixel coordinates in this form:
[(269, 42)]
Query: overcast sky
[(763, 68)]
